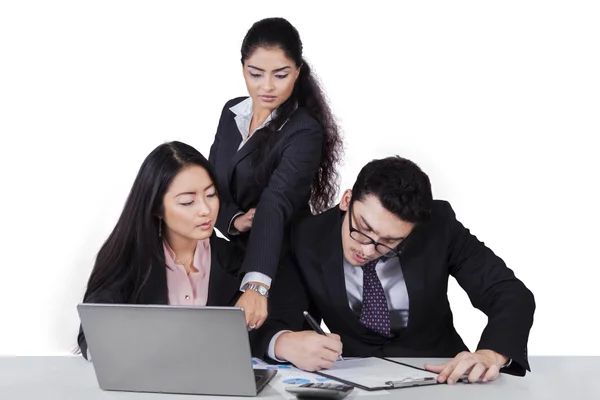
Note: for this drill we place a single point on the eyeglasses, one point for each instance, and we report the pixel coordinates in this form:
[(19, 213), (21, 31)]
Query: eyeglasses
[(365, 239)]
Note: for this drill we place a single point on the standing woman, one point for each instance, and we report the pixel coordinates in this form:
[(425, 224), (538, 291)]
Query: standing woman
[(275, 154)]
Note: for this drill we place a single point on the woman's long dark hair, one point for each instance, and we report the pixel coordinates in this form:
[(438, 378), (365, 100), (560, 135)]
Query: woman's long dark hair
[(134, 247), (307, 93)]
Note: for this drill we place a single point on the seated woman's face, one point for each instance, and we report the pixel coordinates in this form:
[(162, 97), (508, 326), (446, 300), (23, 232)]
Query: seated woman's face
[(191, 204)]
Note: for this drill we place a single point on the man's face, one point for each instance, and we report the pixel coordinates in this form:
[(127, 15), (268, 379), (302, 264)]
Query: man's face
[(370, 218)]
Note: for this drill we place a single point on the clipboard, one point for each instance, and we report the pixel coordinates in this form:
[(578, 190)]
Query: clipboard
[(374, 373)]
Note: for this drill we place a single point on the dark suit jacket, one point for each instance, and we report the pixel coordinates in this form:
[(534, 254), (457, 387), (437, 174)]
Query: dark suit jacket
[(294, 159), (433, 252), (223, 284)]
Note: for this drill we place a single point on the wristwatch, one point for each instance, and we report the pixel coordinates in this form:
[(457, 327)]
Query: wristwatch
[(263, 291)]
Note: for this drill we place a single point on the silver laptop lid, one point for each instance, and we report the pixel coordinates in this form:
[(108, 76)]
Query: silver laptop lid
[(169, 349)]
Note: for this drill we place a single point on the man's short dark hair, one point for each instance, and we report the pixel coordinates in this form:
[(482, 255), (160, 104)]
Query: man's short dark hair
[(399, 184)]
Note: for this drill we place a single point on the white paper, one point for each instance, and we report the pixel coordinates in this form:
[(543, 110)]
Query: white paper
[(374, 372)]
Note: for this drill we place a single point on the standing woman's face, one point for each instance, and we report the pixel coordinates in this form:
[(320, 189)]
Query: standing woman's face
[(270, 77)]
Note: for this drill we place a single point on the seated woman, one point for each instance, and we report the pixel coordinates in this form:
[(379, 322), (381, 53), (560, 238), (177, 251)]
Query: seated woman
[(163, 249)]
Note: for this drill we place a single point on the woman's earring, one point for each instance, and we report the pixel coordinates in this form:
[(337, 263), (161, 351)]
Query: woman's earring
[(159, 227)]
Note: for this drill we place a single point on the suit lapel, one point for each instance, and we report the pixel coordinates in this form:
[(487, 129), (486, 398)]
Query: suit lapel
[(415, 276), (332, 266), (331, 259), (250, 145), (155, 290), (223, 284), (242, 153), (230, 151)]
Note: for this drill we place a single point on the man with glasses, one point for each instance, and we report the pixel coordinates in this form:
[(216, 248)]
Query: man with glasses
[(375, 269)]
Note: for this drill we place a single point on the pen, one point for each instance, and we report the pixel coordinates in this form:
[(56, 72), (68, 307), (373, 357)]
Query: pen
[(313, 324)]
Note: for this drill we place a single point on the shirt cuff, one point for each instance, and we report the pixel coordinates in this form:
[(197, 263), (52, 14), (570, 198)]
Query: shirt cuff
[(256, 277), (507, 363), (271, 352), (231, 230)]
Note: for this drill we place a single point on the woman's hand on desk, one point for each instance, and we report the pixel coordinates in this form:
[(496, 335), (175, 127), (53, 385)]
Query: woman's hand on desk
[(255, 308), (483, 364), (243, 223)]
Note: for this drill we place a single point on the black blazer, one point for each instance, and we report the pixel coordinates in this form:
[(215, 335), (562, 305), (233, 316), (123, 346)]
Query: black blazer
[(223, 285), (433, 252), (294, 159)]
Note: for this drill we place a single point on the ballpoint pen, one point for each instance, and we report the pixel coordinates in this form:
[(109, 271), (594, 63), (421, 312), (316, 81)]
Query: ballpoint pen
[(313, 324)]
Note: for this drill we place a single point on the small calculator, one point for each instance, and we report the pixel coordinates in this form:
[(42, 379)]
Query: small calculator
[(320, 390)]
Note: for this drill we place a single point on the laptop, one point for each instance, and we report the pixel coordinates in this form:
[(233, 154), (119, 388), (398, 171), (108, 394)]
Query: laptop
[(171, 349)]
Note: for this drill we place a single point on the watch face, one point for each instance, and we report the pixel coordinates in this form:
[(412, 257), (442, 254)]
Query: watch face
[(260, 289)]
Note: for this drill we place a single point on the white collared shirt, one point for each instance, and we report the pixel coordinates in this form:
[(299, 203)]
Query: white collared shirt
[(391, 278), (243, 118)]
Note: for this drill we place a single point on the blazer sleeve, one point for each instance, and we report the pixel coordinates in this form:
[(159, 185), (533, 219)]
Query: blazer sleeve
[(493, 288), (228, 209), (286, 190)]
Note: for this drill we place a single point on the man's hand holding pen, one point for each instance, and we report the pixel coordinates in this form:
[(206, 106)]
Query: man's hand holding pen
[(308, 350)]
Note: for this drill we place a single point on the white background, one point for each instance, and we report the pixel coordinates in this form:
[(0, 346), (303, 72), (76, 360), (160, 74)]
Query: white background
[(499, 103)]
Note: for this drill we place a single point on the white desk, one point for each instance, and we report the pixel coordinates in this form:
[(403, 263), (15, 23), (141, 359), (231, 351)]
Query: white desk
[(58, 378)]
